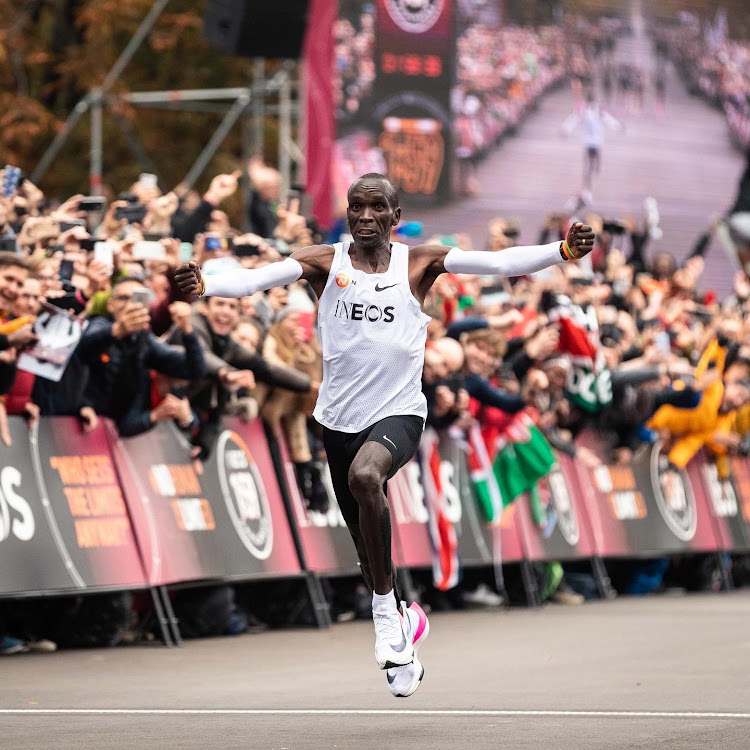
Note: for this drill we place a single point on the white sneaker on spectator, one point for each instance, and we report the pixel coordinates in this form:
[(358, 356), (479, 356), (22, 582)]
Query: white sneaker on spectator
[(43, 645), (482, 596), (393, 642), (404, 681)]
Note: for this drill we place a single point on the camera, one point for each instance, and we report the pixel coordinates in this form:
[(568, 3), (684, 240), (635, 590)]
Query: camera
[(134, 213)]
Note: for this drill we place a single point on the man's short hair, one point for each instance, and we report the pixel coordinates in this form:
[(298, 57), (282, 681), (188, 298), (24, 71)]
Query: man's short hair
[(11, 260), (390, 190), (128, 280)]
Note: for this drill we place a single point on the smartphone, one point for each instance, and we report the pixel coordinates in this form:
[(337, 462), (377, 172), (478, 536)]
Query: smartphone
[(148, 180), (662, 342), (104, 253), (213, 244), (142, 297), (306, 206), (54, 249), (133, 213), (67, 225), (186, 251), (245, 251), (153, 236), (614, 227), (8, 244), (146, 250), (12, 178), (87, 244), (92, 203), (66, 270)]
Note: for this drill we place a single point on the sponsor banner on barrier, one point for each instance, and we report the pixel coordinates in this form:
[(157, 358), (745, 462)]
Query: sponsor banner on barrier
[(729, 499), (64, 525), (478, 542), (555, 525), (326, 543), (646, 507), (225, 519)]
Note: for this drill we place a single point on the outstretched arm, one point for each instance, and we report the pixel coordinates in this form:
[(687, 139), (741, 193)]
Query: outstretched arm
[(432, 260), (309, 263)]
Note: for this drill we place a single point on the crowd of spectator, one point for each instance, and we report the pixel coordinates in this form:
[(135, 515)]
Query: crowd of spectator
[(618, 343), (502, 71), (714, 66)]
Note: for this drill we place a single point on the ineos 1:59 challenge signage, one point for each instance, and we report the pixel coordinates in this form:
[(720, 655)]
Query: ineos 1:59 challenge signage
[(411, 113)]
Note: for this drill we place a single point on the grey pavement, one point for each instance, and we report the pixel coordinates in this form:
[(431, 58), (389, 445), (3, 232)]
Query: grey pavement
[(668, 654), (685, 160)]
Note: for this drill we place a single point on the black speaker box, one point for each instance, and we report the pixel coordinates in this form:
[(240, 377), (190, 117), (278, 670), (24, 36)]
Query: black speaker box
[(256, 28)]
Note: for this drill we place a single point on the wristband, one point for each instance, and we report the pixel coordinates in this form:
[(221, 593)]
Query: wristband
[(568, 252)]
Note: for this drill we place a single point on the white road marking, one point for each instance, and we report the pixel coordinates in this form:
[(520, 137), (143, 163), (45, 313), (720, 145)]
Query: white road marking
[(379, 712)]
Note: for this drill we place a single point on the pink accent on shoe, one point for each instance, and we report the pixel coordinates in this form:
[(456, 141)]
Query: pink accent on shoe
[(422, 621)]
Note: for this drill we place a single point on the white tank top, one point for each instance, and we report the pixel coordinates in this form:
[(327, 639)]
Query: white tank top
[(373, 333)]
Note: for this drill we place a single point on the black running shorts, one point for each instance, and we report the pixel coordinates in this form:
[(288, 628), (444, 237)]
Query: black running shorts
[(400, 434)]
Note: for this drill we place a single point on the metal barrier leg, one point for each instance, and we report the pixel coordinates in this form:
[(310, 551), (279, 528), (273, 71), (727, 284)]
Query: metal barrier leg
[(726, 572), (529, 584), (406, 585), (320, 608), (166, 636), (174, 623), (603, 582)]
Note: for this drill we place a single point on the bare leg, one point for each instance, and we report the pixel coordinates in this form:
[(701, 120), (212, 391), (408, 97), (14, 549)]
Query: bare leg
[(367, 474)]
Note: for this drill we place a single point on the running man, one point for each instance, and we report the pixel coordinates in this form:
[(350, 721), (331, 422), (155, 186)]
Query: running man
[(371, 407), (593, 120)]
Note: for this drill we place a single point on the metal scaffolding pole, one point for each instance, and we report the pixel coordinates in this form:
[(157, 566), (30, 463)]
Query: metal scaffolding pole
[(216, 139), (285, 134), (97, 137), (259, 102), (59, 140), (132, 47), (127, 54)]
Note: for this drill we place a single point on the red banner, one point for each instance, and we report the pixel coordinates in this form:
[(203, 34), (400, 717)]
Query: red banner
[(326, 544), (320, 111), (64, 525), (225, 519), (559, 528), (645, 508)]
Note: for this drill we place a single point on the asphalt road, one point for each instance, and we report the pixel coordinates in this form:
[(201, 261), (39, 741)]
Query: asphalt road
[(667, 672)]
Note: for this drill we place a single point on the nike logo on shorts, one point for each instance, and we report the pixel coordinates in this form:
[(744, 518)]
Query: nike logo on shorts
[(385, 437), (379, 288)]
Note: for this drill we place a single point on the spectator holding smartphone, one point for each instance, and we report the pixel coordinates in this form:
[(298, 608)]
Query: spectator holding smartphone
[(120, 353)]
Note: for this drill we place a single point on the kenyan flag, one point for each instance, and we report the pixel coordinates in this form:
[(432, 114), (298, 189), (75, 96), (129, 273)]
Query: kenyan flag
[(486, 491), (524, 457)]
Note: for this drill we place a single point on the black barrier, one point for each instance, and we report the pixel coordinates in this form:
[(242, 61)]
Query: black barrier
[(64, 525), (68, 499)]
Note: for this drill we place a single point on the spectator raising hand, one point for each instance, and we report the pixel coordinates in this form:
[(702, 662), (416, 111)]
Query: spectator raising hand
[(222, 187)]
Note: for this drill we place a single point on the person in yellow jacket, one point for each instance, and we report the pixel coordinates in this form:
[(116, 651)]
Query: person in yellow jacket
[(710, 423)]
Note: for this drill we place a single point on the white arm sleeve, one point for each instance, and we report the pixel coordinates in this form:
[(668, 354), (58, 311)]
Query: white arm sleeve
[(515, 261), (246, 281)]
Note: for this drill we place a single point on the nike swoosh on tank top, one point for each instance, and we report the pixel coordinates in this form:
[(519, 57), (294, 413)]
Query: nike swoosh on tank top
[(373, 333)]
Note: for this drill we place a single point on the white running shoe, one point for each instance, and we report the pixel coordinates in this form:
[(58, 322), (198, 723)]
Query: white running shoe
[(393, 641), (404, 681)]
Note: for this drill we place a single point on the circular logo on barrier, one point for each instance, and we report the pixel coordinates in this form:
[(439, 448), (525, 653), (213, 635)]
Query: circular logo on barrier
[(415, 16), (244, 495), (567, 520), (674, 496), (342, 279)]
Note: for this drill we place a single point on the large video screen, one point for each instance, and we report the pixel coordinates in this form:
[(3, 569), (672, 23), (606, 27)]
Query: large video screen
[(483, 121)]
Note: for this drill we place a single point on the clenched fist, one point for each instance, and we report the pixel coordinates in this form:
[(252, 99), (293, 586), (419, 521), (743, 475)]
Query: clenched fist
[(580, 240), (189, 279)]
